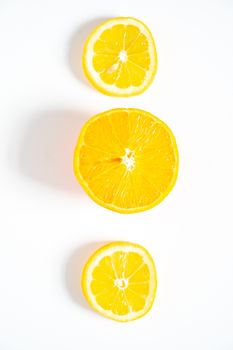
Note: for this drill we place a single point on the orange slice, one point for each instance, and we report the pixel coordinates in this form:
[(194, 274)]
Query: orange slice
[(126, 160), (120, 57), (119, 281)]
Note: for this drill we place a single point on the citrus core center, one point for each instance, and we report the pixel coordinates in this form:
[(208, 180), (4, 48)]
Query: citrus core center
[(121, 283), (123, 56), (128, 159)]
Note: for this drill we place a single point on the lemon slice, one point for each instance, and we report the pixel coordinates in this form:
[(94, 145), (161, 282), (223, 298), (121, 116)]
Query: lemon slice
[(126, 160), (119, 281), (120, 57)]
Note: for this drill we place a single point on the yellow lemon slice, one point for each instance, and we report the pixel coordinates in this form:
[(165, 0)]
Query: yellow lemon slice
[(120, 57), (126, 160), (119, 281)]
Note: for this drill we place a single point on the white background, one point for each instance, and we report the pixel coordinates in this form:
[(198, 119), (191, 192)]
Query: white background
[(49, 226)]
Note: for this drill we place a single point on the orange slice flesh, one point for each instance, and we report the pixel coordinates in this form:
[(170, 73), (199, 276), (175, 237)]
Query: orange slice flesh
[(126, 160)]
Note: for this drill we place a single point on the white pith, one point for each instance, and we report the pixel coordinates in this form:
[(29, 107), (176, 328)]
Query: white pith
[(129, 160), (123, 56), (152, 287), (89, 53), (121, 283)]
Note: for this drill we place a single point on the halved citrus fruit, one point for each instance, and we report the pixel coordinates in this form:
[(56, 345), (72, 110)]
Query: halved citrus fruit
[(120, 57), (119, 281), (126, 160)]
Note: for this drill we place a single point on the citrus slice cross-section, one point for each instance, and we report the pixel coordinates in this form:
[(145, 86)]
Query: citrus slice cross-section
[(120, 57), (126, 160), (119, 281)]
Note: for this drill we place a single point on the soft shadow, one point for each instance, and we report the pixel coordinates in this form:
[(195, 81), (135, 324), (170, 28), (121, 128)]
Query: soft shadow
[(76, 47), (74, 268), (46, 152)]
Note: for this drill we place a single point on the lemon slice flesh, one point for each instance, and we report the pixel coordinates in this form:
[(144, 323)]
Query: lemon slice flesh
[(120, 57), (119, 281)]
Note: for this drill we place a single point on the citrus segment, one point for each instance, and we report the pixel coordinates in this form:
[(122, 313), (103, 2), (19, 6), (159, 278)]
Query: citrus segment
[(120, 57), (119, 281), (126, 160)]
